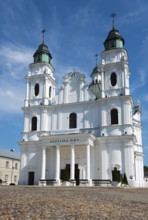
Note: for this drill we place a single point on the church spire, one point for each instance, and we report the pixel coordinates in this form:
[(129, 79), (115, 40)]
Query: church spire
[(96, 55), (113, 15), (43, 33), (114, 40), (42, 54)]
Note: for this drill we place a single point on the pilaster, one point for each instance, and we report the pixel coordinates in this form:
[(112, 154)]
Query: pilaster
[(72, 167), (43, 165), (57, 173)]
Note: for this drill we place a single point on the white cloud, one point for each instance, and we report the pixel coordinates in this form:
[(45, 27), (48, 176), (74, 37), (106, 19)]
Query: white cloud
[(144, 114), (15, 54), (134, 16), (145, 97), (82, 16), (142, 81), (14, 65), (11, 99), (14, 61)]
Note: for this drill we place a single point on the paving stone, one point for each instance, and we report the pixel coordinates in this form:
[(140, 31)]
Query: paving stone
[(72, 203)]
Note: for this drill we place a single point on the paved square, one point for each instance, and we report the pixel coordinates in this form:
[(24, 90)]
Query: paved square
[(61, 203)]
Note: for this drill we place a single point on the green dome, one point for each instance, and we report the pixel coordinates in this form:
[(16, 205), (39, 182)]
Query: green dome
[(95, 88), (96, 70), (114, 40), (42, 54)]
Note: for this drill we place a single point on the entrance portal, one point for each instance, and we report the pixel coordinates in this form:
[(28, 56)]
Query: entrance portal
[(65, 174), (30, 178)]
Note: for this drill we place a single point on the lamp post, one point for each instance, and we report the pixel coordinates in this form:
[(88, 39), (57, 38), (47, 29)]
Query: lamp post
[(12, 150)]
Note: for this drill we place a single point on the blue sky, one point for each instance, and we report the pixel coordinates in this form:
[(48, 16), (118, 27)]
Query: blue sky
[(76, 31)]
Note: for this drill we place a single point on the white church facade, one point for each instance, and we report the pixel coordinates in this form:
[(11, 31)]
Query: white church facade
[(84, 131)]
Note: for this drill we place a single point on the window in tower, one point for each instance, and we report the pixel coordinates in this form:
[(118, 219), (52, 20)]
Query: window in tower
[(49, 91), (34, 124), (72, 120), (113, 79), (45, 58), (36, 89), (114, 116)]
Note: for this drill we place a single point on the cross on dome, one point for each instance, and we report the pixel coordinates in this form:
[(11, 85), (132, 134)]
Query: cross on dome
[(96, 55), (113, 15), (43, 32)]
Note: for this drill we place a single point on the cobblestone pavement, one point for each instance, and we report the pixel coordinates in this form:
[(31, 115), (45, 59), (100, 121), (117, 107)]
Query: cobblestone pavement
[(67, 203)]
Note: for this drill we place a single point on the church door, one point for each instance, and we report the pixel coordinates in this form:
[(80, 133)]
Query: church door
[(77, 174), (31, 178)]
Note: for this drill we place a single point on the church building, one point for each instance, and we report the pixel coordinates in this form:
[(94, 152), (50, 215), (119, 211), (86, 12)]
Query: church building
[(85, 132)]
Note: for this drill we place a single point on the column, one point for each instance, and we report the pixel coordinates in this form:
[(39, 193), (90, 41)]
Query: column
[(57, 176), (128, 164), (27, 93), (102, 77), (88, 162), (45, 90), (72, 167), (44, 120), (43, 166), (27, 90)]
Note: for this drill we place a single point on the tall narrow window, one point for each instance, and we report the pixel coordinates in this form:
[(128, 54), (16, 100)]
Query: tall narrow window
[(16, 166), (7, 164), (114, 116), (50, 92), (36, 89), (6, 177), (15, 178), (113, 79), (34, 123), (73, 120)]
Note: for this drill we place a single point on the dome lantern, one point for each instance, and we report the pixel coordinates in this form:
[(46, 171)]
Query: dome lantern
[(114, 39), (42, 54)]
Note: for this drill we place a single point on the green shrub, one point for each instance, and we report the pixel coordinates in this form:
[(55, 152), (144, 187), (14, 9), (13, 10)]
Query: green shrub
[(116, 175), (124, 179), (12, 184), (65, 176)]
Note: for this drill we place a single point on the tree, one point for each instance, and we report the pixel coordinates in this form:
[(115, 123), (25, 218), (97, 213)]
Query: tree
[(124, 179), (145, 168), (65, 176), (116, 175)]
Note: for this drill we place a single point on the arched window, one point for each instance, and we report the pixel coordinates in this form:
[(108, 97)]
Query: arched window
[(36, 89), (113, 79), (114, 116), (73, 120), (34, 124), (50, 92)]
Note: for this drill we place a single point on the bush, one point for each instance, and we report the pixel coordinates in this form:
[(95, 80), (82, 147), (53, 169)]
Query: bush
[(124, 179), (12, 184), (116, 175), (66, 175)]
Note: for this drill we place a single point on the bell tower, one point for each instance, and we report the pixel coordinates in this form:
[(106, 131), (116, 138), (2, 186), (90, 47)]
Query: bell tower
[(115, 64), (40, 90), (116, 113)]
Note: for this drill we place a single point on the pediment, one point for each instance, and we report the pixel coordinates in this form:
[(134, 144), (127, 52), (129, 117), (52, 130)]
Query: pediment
[(74, 89)]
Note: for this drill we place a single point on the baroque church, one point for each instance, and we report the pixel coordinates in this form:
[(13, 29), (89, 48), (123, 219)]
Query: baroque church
[(85, 131)]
